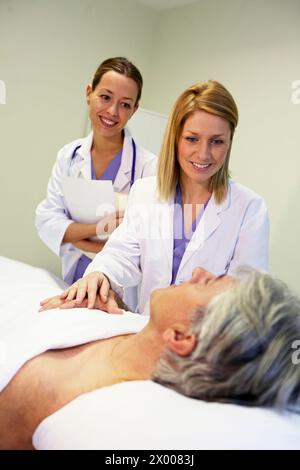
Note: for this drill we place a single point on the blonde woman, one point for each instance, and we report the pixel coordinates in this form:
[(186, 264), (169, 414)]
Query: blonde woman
[(191, 215)]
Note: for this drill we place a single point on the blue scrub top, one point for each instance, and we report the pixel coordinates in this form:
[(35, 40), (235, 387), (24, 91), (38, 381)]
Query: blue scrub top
[(181, 238), (111, 171)]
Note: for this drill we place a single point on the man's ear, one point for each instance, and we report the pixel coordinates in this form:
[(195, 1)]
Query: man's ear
[(178, 339), (88, 91)]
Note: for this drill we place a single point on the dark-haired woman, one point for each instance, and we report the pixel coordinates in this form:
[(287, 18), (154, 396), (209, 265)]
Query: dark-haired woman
[(108, 153)]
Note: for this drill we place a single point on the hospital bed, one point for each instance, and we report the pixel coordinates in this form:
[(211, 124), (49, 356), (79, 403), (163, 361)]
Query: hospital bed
[(141, 414)]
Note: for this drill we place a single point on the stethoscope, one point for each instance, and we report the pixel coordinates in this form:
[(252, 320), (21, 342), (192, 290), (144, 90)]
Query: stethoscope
[(133, 159)]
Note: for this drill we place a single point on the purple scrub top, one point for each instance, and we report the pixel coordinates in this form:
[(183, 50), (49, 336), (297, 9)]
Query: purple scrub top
[(111, 171), (109, 174), (181, 239)]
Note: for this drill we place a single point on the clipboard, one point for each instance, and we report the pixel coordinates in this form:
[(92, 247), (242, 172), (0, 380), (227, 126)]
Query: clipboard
[(88, 201)]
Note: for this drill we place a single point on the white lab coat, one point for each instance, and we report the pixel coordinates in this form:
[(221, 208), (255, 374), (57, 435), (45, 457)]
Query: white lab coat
[(140, 250), (52, 217)]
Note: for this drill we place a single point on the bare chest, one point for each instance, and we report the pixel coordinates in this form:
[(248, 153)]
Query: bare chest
[(46, 384), (61, 375)]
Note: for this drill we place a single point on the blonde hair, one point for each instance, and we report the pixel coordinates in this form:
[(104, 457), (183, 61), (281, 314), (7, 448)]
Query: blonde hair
[(213, 98)]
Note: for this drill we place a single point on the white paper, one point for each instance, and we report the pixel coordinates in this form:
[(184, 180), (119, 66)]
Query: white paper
[(88, 200)]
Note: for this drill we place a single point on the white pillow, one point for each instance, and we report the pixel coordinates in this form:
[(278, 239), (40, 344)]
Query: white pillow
[(145, 415), (22, 287)]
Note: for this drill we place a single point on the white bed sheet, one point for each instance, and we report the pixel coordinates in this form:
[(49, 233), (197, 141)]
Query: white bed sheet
[(21, 288), (137, 415), (145, 415), (25, 333)]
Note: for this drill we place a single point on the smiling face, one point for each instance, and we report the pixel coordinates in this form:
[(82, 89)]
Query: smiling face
[(202, 147), (112, 103), (177, 303)]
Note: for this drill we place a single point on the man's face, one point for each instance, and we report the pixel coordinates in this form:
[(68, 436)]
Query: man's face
[(177, 303)]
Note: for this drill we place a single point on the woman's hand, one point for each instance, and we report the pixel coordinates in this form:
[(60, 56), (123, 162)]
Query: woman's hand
[(58, 302), (88, 286), (91, 291), (111, 306)]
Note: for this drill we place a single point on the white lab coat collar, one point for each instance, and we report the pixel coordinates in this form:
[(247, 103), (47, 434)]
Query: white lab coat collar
[(166, 224), (124, 174), (81, 167), (82, 161)]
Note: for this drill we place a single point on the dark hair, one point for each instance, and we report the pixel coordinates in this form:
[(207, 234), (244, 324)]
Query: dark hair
[(124, 67)]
